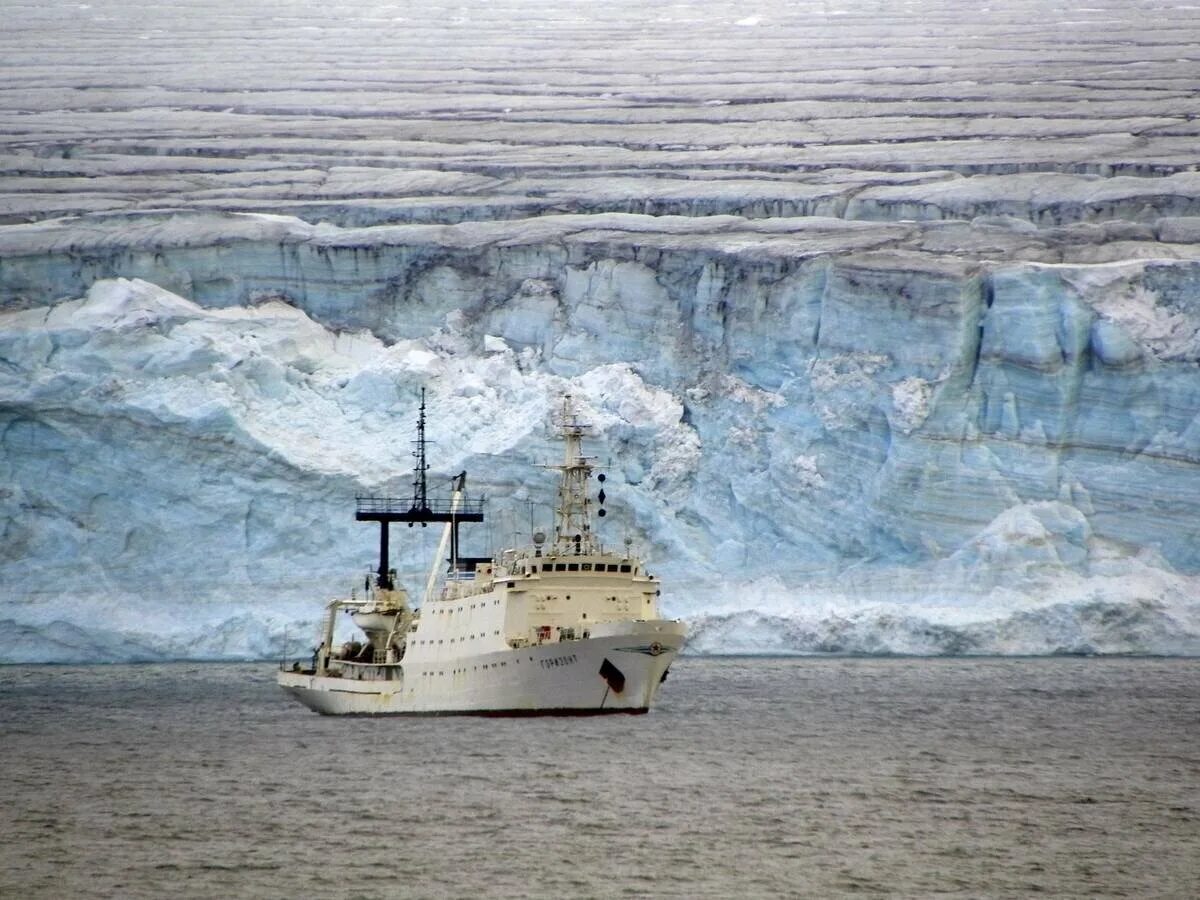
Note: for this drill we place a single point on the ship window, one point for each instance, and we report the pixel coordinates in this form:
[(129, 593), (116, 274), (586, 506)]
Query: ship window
[(510, 584), (560, 567), (612, 567), (572, 567), (626, 568), (586, 567)]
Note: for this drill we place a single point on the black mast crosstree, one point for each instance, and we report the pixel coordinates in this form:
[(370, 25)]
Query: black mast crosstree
[(421, 508)]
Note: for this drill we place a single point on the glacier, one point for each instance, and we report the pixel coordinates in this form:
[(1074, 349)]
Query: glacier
[(887, 317), (939, 476)]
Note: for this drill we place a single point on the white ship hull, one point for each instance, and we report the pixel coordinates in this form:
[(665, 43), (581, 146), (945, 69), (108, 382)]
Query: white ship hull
[(613, 673), (562, 627)]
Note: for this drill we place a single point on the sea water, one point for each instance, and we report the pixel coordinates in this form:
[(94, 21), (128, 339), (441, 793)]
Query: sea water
[(751, 778)]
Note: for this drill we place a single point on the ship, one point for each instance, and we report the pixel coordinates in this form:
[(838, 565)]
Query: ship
[(563, 626)]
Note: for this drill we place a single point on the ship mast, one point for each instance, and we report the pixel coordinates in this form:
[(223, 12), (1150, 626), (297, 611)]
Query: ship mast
[(420, 488), (422, 508), (572, 516)]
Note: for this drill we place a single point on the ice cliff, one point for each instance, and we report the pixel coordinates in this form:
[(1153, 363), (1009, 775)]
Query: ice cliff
[(861, 450)]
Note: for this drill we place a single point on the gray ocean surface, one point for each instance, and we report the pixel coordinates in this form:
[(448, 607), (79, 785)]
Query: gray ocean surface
[(752, 778)]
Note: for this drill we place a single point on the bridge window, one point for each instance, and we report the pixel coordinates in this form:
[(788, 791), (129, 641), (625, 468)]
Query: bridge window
[(626, 568)]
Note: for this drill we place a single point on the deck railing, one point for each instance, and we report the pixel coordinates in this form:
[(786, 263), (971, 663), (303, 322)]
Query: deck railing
[(442, 506)]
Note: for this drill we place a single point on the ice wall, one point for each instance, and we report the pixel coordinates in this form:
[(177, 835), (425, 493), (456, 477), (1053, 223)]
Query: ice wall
[(813, 435)]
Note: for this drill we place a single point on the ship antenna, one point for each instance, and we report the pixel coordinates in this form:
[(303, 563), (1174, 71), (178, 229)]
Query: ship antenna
[(420, 488)]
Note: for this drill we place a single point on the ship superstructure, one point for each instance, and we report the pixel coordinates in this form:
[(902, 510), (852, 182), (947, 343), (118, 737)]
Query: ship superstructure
[(563, 626)]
